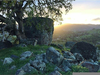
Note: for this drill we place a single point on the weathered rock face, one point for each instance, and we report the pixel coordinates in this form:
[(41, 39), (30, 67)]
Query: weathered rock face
[(91, 66), (88, 51), (39, 28), (54, 56)]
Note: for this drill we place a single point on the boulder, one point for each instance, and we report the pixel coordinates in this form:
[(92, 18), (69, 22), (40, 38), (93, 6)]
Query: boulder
[(98, 54), (20, 72), (28, 68), (65, 66), (68, 55), (87, 50), (4, 35), (93, 67), (39, 28), (8, 60), (72, 61), (26, 54), (60, 46), (79, 57), (69, 44), (55, 73), (39, 65), (12, 38), (54, 56), (41, 57)]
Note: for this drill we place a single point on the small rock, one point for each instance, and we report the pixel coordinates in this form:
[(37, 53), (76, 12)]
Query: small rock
[(57, 69), (28, 68), (26, 54), (20, 72), (78, 57), (38, 64), (8, 60), (55, 73), (13, 67), (14, 56), (68, 55), (22, 58), (65, 66)]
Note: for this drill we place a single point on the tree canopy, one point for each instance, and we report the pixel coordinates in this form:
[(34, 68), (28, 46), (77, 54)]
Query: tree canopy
[(12, 11)]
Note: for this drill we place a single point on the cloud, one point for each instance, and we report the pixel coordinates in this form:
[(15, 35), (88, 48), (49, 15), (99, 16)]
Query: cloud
[(96, 19)]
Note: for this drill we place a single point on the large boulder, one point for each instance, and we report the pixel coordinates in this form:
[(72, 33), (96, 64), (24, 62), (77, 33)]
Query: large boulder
[(88, 51), (54, 56), (39, 28)]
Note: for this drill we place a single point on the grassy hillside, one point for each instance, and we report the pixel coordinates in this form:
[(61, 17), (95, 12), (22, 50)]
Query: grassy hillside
[(5, 69), (91, 35)]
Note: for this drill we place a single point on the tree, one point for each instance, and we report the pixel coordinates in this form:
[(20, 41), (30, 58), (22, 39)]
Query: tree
[(13, 11)]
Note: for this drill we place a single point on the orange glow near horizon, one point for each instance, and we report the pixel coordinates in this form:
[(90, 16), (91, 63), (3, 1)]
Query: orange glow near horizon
[(83, 12)]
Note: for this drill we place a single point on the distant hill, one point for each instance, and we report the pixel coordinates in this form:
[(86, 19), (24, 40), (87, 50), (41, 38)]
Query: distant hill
[(76, 27), (77, 32)]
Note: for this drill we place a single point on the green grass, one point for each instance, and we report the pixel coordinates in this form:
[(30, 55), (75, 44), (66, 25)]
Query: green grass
[(4, 69)]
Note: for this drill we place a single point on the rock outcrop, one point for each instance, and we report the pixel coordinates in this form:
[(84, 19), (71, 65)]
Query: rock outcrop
[(39, 28)]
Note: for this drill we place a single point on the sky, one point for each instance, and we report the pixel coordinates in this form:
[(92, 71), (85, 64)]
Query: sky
[(83, 12)]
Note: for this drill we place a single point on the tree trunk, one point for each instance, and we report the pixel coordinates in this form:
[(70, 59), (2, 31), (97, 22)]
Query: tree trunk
[(20, 32)]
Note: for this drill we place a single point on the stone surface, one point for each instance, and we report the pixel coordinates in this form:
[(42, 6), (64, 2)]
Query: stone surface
[(78, 57), (39, 28), (65, 66), (28, 68), (68, 55), (98, 54), (93, 67), (38, 64), (72, 61), (8, 60), (55, 73), (60, 46), (41, 57), (69, 44), (54, 56), (4, 35), (26, 54), (88, 51), (12, 38), (20, 72)]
